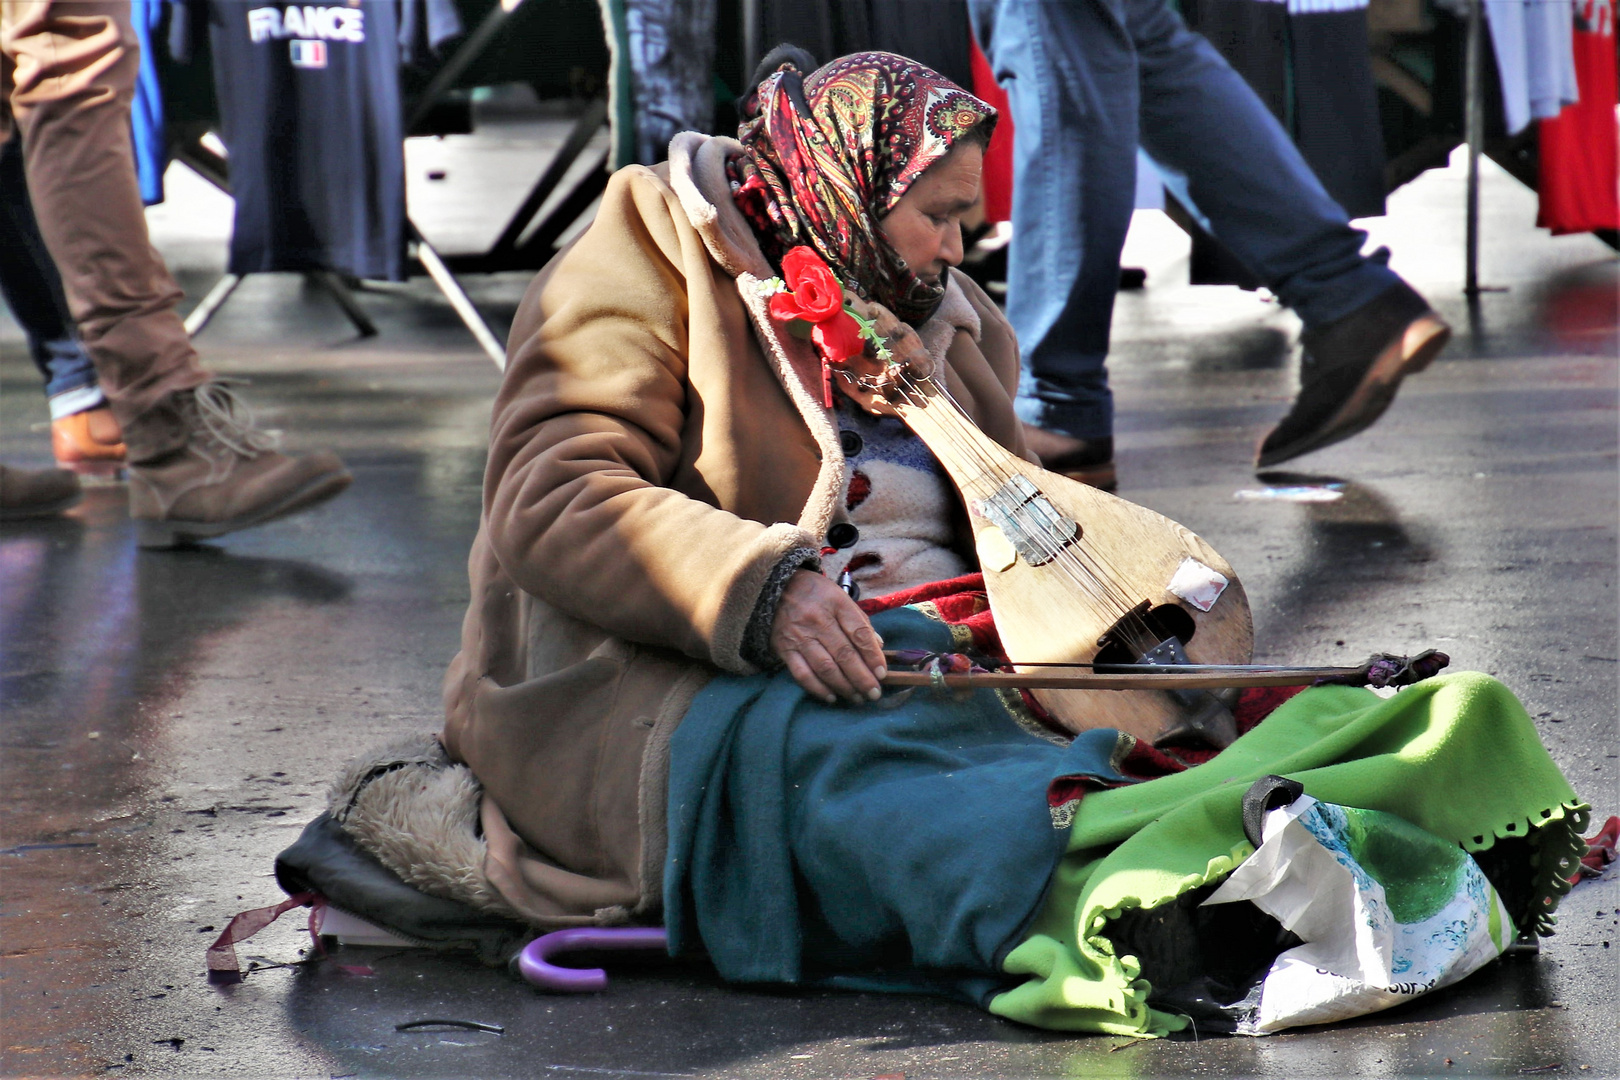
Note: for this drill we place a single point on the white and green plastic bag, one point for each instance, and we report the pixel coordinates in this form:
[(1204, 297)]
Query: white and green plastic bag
[(1387, 912)]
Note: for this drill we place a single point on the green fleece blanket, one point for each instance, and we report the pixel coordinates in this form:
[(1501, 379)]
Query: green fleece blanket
[(1456, 755)]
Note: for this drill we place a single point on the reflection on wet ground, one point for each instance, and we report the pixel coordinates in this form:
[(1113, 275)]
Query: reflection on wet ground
[(1353, 543), (170, 720)]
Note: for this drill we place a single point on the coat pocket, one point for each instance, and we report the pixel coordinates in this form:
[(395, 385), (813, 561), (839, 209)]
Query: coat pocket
[(537, 747)]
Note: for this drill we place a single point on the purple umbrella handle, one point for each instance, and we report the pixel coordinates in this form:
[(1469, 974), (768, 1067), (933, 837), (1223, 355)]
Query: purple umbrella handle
[(534, 962)]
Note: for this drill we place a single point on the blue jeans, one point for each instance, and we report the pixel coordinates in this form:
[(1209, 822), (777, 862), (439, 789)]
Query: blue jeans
[(1087, 80), (33, 291)]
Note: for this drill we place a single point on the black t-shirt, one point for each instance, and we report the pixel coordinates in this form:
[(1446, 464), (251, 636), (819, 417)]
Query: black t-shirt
[(309, 98)]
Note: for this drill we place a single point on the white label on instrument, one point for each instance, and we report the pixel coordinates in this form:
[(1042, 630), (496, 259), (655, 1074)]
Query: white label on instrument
[(1198, 584)]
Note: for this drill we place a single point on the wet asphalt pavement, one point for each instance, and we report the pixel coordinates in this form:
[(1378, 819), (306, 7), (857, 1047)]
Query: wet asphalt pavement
[(170, 720)]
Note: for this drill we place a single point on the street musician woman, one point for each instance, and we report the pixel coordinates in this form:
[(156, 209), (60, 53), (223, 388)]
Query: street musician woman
[(675, 711)]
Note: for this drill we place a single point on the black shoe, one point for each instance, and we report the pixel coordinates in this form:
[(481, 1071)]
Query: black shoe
[(1351, 370)]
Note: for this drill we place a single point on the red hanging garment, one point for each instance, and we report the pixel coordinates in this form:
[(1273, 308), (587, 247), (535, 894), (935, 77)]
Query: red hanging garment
[(1580, 153), (998, 158)]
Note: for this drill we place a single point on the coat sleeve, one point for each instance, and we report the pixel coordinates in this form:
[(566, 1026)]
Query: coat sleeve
[(588, 431), (999, 344), (996, 338)]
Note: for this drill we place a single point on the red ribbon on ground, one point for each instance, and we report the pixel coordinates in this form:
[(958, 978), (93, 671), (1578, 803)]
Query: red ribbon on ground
[(224, 967)]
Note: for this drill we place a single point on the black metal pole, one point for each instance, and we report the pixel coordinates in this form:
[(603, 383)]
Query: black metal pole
[(1474, 129), (752, 49)]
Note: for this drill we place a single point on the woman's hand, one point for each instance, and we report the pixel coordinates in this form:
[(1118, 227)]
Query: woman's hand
[(826, 640), (871, 383)]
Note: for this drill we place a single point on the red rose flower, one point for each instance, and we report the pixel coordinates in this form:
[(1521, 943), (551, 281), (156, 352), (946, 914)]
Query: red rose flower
[(838, 338), (816, 295), (818, 299)]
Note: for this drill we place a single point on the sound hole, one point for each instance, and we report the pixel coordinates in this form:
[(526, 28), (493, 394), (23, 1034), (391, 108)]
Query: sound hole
[(1128, 639)]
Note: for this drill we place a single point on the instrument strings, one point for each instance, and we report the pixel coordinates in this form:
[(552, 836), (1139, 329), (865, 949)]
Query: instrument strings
[(1086, 568), (958, 430)]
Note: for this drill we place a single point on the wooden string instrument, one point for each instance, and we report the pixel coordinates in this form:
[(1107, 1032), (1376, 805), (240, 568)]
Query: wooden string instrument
[(1075, 575)]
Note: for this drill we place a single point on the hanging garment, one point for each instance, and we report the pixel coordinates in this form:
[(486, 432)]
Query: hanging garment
[(1309, 61), (421, 22), (998, 157), (1336, 121), (430, 22), (930, 32), (1534, 56), (1252, 36), (146, 112), (309, 99), (1580, 178), (671, 54)]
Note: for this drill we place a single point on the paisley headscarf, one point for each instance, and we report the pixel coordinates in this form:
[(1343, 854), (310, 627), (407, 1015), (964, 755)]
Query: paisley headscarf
[(826, 156)]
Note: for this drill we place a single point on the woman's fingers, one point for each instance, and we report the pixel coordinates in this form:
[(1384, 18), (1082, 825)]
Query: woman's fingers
[(908, 350), (857, 671), (799, 668), (868, 647), (827, 660), (875, 384)]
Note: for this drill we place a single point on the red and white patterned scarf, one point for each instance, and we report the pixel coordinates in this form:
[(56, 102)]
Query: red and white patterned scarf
[(826, 157)]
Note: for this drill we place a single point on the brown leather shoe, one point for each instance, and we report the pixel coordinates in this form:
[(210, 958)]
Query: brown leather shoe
[(1090, 461), (27, 493), (227, 475), (89, 443)]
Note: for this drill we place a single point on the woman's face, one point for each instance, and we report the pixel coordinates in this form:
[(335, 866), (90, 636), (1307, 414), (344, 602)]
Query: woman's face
[(925, 226)]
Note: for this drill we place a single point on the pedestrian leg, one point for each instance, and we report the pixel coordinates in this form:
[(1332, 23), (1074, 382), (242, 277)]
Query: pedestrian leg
[(199, 467)]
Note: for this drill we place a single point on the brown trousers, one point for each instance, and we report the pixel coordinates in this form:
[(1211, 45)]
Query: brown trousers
[(68, 76)]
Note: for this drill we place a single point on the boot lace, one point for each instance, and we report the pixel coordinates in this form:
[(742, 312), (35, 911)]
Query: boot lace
[(229, 419)]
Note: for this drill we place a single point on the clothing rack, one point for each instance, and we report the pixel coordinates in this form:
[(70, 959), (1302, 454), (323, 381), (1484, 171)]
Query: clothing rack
[(212, 168), (525, 243)]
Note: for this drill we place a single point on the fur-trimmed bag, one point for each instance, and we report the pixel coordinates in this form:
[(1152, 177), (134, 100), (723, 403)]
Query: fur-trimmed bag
[(399, 846), (416, 812)]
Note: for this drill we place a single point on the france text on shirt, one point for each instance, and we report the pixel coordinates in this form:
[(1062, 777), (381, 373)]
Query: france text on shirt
[(307, 21)]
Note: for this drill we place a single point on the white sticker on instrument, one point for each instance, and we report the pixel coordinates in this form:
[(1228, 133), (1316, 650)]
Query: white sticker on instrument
[(1198, 584)]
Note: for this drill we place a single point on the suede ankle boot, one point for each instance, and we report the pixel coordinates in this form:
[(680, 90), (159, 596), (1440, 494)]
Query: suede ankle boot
[(199, 467)]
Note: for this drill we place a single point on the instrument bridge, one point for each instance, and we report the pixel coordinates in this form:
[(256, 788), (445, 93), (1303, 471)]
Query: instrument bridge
[(1037, 530)]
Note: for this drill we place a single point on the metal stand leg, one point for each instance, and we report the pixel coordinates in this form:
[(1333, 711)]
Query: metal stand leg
[(453, 292), (1474, 128), (332, 283), (203, 312), (752, 49)]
